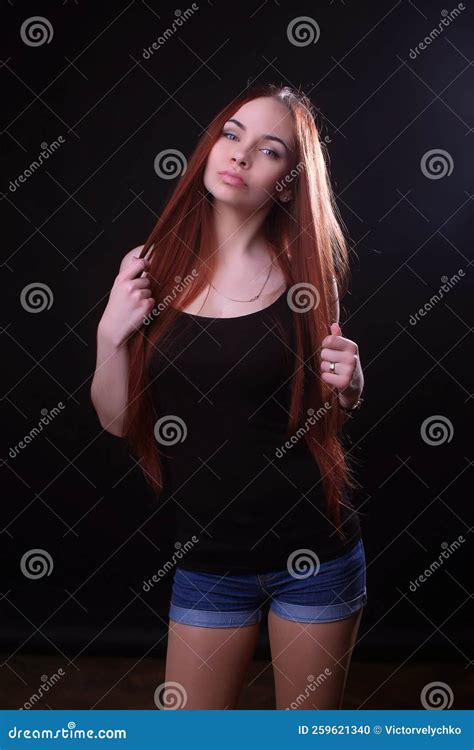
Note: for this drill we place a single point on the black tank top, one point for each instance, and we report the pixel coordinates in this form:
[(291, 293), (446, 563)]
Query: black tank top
[(243, 503)]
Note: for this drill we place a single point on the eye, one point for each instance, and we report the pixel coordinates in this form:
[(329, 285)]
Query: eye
[(273, 154)]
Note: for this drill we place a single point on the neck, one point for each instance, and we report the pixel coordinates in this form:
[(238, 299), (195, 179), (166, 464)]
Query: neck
[(238, 236)]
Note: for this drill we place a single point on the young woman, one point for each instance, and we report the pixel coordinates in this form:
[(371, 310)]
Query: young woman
[(221, 361)]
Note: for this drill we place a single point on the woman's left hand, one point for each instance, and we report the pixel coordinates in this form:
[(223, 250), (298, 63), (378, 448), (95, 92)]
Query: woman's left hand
[(348, 377)]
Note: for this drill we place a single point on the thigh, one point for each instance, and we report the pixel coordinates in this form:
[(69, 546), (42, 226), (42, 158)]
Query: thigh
[(205, 666), (214, 624), (313, 624), (311, 660)]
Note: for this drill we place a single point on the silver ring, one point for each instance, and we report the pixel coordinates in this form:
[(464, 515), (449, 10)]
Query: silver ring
[(332, 367)]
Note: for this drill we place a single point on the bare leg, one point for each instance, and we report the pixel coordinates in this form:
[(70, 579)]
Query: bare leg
[(209, 663), (311, 661)]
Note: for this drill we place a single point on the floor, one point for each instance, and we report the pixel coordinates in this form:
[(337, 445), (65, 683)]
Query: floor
[(110, 682)]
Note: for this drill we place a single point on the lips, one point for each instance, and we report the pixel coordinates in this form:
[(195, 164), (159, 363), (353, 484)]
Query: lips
[(232, 178)]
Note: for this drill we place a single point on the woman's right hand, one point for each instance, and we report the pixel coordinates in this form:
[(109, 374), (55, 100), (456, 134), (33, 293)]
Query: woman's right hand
[(130, 299)]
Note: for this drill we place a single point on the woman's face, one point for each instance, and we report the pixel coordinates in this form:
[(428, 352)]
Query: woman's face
[(246, 149)]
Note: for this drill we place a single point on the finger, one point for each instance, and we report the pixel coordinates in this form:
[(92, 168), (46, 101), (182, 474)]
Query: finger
[(145, 293), (336, 329), (136, 267), (149, 251), (341, 368), (334, 341), (143, 282), (340, 343), (336, 355), (336, 298), (332, 379)]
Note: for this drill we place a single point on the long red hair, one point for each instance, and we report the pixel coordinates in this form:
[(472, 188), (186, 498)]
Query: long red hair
[(306, 238)]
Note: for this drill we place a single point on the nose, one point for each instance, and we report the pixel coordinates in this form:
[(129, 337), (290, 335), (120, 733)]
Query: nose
[(239, 159)]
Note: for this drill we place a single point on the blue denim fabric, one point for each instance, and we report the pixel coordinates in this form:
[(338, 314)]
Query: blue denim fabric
[(331, 591)]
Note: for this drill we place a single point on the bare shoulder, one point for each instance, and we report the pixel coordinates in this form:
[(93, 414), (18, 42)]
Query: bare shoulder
[(128, 257)]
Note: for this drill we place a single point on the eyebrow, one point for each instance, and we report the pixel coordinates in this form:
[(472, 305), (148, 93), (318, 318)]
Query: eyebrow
[(266, 137)]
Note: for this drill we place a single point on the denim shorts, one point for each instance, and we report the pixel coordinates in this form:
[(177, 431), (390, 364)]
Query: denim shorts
[(331, 590)]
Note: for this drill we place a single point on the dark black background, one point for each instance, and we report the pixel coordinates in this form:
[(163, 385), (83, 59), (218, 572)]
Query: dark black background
[(75, 491)]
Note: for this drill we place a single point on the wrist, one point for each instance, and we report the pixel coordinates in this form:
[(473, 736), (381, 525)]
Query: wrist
[(350, 398), (107, 338)]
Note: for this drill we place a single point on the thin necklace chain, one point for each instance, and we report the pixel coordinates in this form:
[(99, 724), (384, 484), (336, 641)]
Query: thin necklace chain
[(246, 300)]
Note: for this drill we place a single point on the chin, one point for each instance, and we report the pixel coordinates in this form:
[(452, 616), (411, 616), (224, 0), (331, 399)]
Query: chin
[(220, 193)]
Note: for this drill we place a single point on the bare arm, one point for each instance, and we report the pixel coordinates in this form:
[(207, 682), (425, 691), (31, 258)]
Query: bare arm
[(109, 389), (129, 303)]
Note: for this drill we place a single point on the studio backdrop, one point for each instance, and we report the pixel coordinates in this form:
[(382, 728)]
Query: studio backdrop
[(102, 105)]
